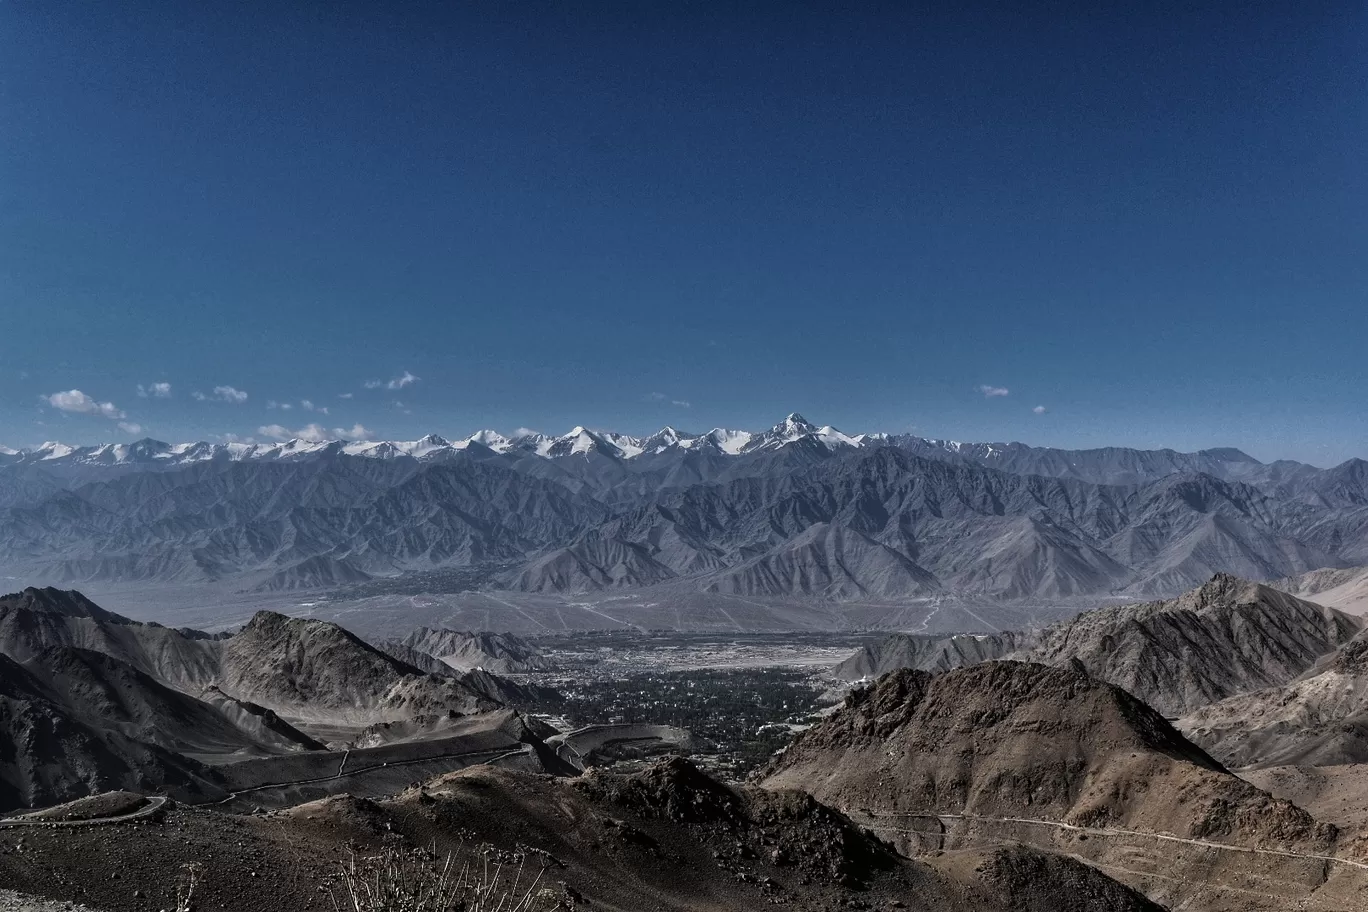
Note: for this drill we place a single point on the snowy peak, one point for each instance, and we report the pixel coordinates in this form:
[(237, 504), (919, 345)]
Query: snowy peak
[(796, 428), (793, 427), (492, 439)]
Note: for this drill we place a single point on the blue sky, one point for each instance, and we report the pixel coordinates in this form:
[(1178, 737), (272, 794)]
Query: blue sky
[(1152, 221)]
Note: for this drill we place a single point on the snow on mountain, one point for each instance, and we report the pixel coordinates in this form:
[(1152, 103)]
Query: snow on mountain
[(729, 442), (492, 439)]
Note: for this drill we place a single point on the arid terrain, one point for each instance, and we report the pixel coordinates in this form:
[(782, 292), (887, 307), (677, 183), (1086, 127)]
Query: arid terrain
[(1016, 770)]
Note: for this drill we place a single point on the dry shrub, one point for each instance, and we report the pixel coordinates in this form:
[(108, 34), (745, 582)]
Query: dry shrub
[(415, 880)]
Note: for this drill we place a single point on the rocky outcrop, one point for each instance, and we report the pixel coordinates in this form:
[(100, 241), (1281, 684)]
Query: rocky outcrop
[(928, 653), (1319, 720), (1229, 636)]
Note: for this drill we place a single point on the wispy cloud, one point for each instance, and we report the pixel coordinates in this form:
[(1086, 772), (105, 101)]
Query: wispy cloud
[(309, 433), (355, 432), (130, 427), (234, 438), (524, 432), (1040, 410), (78, 402), (396, 383), (154, 391), (661, 397), (991, 392), (345, 395), (222, 394), (284, 406), (308, 406)]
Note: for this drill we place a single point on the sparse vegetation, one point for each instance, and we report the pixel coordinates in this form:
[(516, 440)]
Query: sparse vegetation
[(399, 879), (185, 886)]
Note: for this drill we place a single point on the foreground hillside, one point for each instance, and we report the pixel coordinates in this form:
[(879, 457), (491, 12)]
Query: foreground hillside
[(1065, 762), (666, 838)]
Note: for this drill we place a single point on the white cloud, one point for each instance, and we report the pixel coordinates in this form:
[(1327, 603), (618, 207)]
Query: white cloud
[(221, 394), (524, 432), (154, 390), (1040, 410), (309, 433), (990, 392), (234, 438), (79, 402), (308, 406), (397, 383), (130, 427), (661, 397), (356, 432), (345, 395)]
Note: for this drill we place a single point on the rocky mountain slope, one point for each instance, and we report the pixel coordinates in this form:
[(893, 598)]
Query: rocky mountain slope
[(794, 511), (1229, 636), (500, 653), (1319, 720), (1345, 589), (1006, 739), (309, 672), (928, 653), (57, 743), (34, 620), (1055, 758), (317, 672), (665, 838)]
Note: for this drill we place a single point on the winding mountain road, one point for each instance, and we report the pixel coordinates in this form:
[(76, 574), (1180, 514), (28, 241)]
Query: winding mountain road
[(154, 804), (493, 755), (1109, 832)]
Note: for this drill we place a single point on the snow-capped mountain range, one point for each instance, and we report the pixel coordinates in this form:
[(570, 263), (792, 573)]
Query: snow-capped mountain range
[(579, 441), (797, 510)]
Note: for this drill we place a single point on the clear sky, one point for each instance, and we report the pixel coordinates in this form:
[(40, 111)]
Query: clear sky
[(1151, 219)]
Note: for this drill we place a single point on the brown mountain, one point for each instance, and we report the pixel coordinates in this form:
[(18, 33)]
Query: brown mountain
[(1056, 758), (667, 838)]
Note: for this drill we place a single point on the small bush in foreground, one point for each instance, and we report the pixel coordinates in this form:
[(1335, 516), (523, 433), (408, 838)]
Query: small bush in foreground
[(400, 880)]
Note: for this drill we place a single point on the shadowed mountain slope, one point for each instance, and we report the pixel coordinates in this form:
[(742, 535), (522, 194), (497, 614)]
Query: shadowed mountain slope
[(56, 744)]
